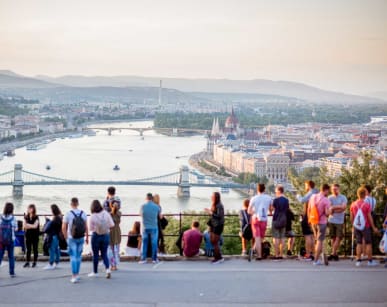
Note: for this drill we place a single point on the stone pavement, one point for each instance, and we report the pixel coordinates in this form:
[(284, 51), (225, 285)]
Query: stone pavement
[(199, 283)]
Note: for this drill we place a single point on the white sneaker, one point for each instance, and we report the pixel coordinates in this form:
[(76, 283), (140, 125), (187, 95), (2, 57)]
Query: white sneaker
[(55, 265), (142, 262), (49, 267), (156, 261), (358, 263), (372, 263), (73, 280), (92, 274), (108, 273), (78, 278), (318, 262)]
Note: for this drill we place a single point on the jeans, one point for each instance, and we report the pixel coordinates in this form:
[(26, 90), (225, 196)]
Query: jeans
[(153, 233), (54, 250), (100, 243), (114, 254), (11, 257), (75, 252), (32, 241)]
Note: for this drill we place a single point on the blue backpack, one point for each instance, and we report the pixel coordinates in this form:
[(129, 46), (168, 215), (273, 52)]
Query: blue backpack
[(6, 231)]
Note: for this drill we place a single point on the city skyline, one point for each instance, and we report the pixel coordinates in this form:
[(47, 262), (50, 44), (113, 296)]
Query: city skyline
[(334, 46)]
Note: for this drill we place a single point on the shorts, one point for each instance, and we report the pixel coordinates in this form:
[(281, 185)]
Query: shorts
[(278, 233), (336, 230), (306, 230), (290, 234), (319, 231), (218, 230), (366, 234), (259, 228)]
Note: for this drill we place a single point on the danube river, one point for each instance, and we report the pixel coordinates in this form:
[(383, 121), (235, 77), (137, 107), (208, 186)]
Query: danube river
[(93, 158)]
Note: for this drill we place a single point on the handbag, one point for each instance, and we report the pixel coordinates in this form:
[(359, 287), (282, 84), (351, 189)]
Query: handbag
[(163, 223)]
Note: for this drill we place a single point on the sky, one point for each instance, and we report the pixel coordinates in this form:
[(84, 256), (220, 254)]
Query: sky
[(333, 44)]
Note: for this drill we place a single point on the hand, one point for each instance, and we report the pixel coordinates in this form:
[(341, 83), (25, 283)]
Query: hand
[(207, 210), (87, 240), (376, 231)]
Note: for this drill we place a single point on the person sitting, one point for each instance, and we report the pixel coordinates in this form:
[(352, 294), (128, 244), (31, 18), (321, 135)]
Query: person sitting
[(192, 239), (19, 239), (133, 247), (209, 248)]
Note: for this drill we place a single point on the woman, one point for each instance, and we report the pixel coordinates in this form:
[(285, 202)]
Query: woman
[(32, 232), (8, 226), (99, 225), (115, 236), (53, 229), (156, 200), (216, 224), (134, 241)]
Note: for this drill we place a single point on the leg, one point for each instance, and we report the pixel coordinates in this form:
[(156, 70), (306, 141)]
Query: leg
[(11, 259), (72, 247), (154, 241), (243, 245), (35, 244), (104, 247), (290, 243), (51, 251), (144, 245), (281, 248), (215, 243), (80, 243), (95, 249), (258, 246), (28, 247), (1, 254), (57, 250), (111, 255), (276, 246), (161, 241)]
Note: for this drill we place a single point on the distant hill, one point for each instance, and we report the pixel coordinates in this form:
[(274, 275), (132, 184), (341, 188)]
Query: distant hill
[(9, 79), (257, 86), (378, 95)]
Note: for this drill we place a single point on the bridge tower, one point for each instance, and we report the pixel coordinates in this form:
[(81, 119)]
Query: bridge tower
[(110, 131), (175, 132), (18, 181), (141, 132), (183, 189)]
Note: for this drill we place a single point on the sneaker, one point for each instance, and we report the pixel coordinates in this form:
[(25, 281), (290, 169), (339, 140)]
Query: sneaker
[(308, 258), (34, 265), (358, 263), (372, 263), (331, 257), (74, 280), (156, 261), (13, 275), (78, 278), (55, 265), (325, 259), (385, 266), (26, 265), (277, 259), (244, 253), (318, 262), (92, 274), (108, 273), (49, 267), (218, 261), (289, 253), (142, 262), (258, 259)]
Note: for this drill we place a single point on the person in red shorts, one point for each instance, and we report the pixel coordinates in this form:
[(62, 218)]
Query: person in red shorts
[(258, 209)]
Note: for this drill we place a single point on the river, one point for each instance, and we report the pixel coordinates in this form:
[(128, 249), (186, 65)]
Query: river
[(93, 158)]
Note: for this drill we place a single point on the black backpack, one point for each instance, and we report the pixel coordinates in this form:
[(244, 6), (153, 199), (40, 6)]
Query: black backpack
[(247, 232), (78, 227)]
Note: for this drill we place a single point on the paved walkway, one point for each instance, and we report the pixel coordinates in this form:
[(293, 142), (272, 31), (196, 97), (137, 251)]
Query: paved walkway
[(198, 283)]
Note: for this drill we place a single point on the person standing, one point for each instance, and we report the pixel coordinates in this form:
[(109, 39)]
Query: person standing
[(192, 239), (336, 219), (75, 231), (365, 234), (8, 227), (245, 226), (150, 213), (318, 210), (110, 198), (306, 229), (115, 238), (100, 224), (32, 233), (259, 209), (53, 229), (133, 245), (289, 231), (216, 224), (280, 206), (160, 243)]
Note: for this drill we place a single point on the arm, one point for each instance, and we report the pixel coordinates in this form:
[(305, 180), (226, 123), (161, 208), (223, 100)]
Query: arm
[(250, 208), (86, 232), (139, 242), (372, 222), (271, 208), (305, 198), (31, 226), (64, 229)]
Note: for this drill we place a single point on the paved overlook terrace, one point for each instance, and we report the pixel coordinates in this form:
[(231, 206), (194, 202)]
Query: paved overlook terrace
[(183, 179)]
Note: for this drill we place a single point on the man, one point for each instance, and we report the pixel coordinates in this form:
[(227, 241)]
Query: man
[(280, 206), (192, 239), (336, 219), (150, 212), (110, 198), (363, 235), (319, 205), (258, 209), (369, 198), (306, 229), (74, 228)]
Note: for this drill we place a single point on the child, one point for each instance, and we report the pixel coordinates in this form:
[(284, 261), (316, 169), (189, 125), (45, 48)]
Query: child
[(245, 232), (115, 236)]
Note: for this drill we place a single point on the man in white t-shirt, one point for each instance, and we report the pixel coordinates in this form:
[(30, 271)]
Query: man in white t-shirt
[(75, 245), (259, 209)]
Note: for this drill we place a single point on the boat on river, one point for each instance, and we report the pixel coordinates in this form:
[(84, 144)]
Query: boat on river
[(36, 146), (116, 168)]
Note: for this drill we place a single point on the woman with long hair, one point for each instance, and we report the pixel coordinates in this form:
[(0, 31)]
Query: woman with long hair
[(161, 245), (53, 229), (8, 227), (115, 236), (133, 246), (216, 224), (100, 224), (32, 232)]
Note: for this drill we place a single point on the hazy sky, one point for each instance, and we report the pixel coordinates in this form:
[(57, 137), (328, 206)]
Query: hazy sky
[(333, 44)]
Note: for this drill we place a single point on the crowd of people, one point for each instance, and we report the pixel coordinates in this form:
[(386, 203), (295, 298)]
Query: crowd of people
[(322, 210)]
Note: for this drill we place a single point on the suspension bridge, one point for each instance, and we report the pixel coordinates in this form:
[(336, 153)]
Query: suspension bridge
[(141, 130), (183, 179)]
